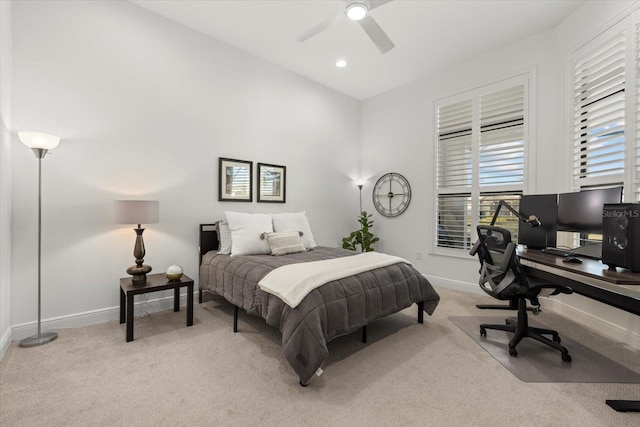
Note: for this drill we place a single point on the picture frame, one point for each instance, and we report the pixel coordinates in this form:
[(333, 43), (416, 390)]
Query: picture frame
[(235, 178), (271, 183)]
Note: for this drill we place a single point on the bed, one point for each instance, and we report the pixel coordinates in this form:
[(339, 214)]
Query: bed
[(336, 308)]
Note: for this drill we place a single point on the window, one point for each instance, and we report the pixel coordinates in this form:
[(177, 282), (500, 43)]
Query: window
[(480, 159), (606, 150), (599, 89)]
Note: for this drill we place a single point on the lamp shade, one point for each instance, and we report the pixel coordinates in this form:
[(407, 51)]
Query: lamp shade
[(136, 211), (39, 140)]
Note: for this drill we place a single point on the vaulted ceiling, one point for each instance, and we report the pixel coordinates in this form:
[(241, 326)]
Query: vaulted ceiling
[(427, 34)]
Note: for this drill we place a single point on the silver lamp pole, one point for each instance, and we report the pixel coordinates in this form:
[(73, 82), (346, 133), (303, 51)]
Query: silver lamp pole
[(40, 144)]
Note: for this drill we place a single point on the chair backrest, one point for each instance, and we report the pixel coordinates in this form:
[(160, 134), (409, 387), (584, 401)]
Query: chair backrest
[(501, 275)]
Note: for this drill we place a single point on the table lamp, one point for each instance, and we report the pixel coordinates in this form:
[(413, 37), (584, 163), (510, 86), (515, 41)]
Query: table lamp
[(137, 212)]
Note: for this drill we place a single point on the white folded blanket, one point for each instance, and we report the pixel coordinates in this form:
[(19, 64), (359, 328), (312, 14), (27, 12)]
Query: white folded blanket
[(291, 283)]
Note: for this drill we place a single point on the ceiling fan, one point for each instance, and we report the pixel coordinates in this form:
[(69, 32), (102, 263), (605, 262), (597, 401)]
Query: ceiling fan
[(357, 10)]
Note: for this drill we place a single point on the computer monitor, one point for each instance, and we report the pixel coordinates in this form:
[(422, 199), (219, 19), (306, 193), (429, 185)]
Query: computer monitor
[(581, 211), (545, 208)]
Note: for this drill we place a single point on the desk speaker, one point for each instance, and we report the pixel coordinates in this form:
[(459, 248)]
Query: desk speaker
[(621, 235)]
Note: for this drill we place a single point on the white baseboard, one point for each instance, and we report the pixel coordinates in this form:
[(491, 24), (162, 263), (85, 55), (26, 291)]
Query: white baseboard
[(5, 342), (454, 284), (141, 308), (602, 326)]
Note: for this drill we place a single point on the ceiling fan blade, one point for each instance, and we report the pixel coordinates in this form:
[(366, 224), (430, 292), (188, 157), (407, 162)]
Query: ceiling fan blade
[(376, 34), (378, 3), (319, 28)]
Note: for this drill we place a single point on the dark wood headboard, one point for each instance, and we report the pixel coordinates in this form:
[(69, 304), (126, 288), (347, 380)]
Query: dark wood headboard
[(208, 239)]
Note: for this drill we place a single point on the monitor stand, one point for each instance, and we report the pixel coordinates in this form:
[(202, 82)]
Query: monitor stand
[(593, 251)]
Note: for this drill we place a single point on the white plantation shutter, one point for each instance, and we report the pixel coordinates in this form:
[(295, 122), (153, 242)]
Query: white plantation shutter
[(454, 213), (502, 137), (454, 146), (454, 169), (606, 115), (480, 159), (599, 112)]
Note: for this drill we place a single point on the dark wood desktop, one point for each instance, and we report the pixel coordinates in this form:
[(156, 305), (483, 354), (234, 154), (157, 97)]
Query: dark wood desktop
[(591, 278)]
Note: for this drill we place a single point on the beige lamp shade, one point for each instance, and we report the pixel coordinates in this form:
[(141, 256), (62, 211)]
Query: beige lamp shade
[(39, 140), (136, 211)]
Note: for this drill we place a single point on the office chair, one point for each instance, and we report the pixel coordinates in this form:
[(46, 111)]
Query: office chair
[(502, 277)]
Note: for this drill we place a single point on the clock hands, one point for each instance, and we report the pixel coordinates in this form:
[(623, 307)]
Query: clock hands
[(391, 194)]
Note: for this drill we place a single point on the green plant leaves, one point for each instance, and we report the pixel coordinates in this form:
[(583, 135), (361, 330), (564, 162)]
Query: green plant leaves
[(363, 237)]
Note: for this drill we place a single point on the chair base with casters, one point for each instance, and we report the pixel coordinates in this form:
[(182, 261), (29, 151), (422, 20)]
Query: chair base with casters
[(521, 329)]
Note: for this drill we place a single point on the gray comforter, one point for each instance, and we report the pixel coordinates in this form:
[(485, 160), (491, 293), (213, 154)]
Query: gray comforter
[(336, 308)]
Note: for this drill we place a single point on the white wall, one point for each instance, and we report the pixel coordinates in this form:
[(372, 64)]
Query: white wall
[(144, 108), (398, 135), (399, 124), (5, 175)]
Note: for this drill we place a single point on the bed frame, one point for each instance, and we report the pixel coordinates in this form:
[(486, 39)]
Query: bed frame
[(208, 239), (209, 242)]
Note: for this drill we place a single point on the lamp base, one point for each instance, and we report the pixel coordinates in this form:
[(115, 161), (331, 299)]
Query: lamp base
[(43, 338), (139, 273)]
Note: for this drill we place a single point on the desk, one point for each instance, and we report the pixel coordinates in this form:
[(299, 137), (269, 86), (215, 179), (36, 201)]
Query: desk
[(592, 279)]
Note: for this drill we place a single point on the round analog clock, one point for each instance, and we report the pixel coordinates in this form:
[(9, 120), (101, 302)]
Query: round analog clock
[(391, 194)]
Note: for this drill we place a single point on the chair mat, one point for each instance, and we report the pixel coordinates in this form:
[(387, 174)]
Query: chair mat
[(537, 362)]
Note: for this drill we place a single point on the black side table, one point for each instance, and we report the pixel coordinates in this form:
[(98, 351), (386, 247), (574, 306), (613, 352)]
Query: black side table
[(155, 282)]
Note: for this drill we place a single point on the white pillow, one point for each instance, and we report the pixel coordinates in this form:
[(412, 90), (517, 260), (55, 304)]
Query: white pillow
[(285, 243), (224, 238), (294, 222), (246, 230)]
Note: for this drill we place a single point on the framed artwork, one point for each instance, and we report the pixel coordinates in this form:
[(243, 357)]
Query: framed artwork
[(234, 180), (272, 183)]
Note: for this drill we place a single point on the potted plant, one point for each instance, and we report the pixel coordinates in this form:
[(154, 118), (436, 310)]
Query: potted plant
[(362, 237)]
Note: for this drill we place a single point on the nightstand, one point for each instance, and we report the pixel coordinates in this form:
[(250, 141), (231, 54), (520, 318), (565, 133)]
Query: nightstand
[(154, 283)]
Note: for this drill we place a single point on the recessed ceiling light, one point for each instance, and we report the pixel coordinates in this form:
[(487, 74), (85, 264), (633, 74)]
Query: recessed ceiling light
[(357, 11), (341, 63)]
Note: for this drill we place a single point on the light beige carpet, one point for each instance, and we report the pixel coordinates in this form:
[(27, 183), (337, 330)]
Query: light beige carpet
[(537, 362), (205, 375)]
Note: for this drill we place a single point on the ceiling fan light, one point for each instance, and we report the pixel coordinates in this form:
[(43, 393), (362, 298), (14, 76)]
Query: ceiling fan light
[(357, 11)]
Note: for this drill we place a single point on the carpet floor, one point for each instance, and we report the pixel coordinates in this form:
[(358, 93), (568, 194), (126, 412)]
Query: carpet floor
[(407, 374)]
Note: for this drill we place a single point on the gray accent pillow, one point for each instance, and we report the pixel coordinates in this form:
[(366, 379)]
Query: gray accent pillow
[(285, 243)]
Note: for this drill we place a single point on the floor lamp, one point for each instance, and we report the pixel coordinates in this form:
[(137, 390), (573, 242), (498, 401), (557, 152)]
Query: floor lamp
[(360, 185), (40, 144)]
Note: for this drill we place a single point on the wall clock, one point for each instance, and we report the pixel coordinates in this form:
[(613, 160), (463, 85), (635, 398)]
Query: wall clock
[(391, 194)]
